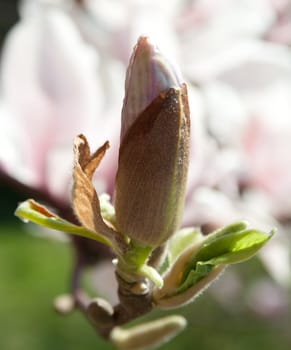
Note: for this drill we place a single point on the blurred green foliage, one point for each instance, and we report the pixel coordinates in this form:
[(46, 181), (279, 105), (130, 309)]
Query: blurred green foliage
[(34, 270)]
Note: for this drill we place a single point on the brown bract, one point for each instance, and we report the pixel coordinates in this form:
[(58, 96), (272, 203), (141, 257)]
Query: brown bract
[(84, 197), (152, 170)]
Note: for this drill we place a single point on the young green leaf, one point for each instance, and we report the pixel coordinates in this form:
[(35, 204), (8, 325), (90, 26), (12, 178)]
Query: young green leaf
[(232, 248), (194, 276), (226, 230), (227, 246), (32, 211), (199, 265)]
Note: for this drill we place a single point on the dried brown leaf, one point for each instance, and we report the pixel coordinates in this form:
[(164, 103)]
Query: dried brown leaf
[(85, 200)]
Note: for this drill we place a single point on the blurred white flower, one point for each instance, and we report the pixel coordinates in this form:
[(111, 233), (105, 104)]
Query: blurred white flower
[(63, 68), (51, 91)]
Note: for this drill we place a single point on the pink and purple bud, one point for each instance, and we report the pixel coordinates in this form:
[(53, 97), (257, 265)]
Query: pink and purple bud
[(154, 150)]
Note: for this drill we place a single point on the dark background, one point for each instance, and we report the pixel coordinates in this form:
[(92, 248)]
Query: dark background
[(8, 196), (8, 16)]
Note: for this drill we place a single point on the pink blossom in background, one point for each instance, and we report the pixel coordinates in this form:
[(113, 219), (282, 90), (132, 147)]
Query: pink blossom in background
[(216, 48), (51, 91), (280, 31), (62, 73)]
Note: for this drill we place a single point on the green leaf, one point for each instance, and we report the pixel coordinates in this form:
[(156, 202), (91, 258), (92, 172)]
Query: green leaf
[(226, 246), (198, 266), (40, 215), (232, 248), (194, 276), (226, 230)]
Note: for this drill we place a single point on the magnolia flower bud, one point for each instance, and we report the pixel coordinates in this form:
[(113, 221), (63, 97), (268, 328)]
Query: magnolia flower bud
[(154, 151), (149, 73)]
